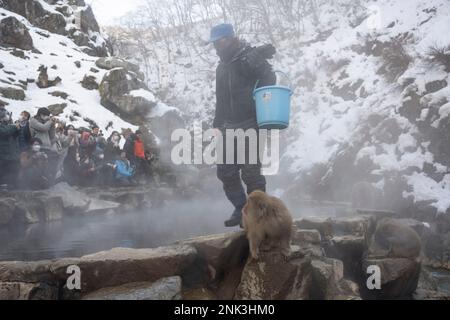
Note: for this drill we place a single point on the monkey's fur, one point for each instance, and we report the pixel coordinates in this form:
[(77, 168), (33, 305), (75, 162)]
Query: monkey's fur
[(396, 240), (267, 223)]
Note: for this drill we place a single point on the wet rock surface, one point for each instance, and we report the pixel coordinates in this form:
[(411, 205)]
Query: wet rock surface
[(164, 289), (329, 259)]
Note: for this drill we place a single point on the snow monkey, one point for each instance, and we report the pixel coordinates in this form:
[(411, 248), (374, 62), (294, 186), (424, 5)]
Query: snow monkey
[(267, 223), (397, 239)]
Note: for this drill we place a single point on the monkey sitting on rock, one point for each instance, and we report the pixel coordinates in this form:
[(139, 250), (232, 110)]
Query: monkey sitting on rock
[(267, 223), (392, 239)]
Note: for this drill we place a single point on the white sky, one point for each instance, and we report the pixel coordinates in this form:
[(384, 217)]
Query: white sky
[(108, 12)]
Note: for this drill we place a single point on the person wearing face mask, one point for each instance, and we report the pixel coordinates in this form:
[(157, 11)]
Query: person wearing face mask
[(24, 131), (9, 155), (72, 160), (103, 169), (88, 143), (112, 148), (42, 126), (87, 171), (33, 173), (241, 69), (62, 148)]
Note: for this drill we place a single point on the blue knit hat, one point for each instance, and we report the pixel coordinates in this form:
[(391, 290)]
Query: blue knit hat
[(224, 30)]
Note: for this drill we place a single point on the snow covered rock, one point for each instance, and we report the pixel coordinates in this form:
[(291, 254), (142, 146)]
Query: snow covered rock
[(38, 13), (114, 62), (122, 92), (13, 33), (12, 93), (90, 82), (57, 109)]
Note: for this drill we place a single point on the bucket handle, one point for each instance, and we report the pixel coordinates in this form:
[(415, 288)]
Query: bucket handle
[(284, 74)]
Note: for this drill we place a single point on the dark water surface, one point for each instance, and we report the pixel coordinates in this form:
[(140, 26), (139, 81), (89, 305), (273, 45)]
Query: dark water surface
[(78, 236)]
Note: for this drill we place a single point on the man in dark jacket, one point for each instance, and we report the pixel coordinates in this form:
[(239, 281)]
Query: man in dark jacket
[(24, 131), (128, 148), (241, 69), (9, 156)]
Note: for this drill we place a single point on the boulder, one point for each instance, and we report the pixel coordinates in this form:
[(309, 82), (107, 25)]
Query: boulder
[(88, 23), (411, 107), (326, 275), (388, 131), (57, 109), (164, 289), (308, 236), (59, 94), (27, 291), (3, 103), (399, 277), (323, 225), (89, 82), (349, 249), (215, 254), (273, 278), (435, 86), (78, 202), (27, 272), (329, 227), (109, 63), (123, 265), (7, 209), (12, 93), (37, 15), (13, 33), (115, 95), (79, 38)]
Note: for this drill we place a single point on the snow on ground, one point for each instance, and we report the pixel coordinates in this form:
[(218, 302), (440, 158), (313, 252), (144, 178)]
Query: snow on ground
[(61, 52)]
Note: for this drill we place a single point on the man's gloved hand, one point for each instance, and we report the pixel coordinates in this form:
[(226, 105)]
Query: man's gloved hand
[(258, 56)]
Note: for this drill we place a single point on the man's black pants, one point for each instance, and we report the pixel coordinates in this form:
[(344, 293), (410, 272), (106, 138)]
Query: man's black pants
[(232, 176)]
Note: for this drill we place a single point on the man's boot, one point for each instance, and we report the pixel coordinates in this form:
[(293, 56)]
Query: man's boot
[(235, 219)]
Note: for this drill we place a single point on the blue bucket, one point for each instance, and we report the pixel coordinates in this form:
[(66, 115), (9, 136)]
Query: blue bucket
[(273, 106)]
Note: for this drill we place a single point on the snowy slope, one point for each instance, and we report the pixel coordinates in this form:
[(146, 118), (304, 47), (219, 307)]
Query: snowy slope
[(59, 54)]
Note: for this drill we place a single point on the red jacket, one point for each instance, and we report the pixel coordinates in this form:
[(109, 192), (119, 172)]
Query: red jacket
[(139, 150)]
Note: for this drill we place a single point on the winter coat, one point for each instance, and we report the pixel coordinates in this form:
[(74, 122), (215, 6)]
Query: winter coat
[(235, 83), (123, 169), (128, 148), (139, 150), (45, 131), (8, 142), (88, 143), (112, 151), (24, 137)]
